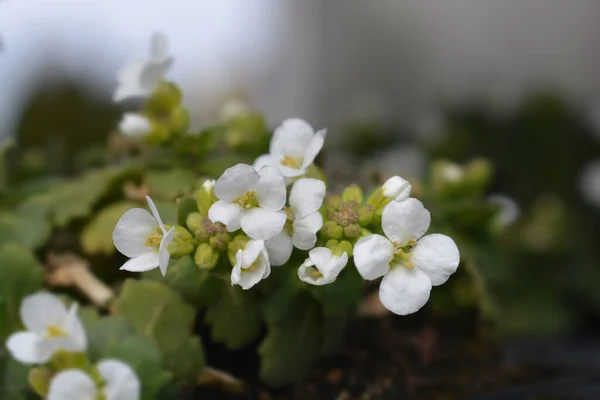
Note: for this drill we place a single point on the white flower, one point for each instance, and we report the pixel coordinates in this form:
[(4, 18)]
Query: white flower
[(138, 78), (321, 267), (134, 125), (589, 183), (251, 200), (304, 219), (120, 383), (251, 265), (509, 209), (409, 267), (142, 237), (293, 148), (397, 188), (50, 327)]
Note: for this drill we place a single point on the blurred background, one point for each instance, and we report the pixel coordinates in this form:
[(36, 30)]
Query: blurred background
[(515, 81)]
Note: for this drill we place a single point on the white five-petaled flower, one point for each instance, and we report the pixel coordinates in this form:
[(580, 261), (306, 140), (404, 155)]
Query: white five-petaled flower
[(134, 125), (294, 146), (50, 328), (139, 77), (142, 237), (397, 188), (120, 383), (410, 264), (304, 221), (508, 209), (322, 267), (251, 265), (250, 199)]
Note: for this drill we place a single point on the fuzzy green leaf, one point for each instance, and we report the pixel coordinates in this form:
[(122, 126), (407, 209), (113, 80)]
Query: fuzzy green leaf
[(168, 185), (96, 237)]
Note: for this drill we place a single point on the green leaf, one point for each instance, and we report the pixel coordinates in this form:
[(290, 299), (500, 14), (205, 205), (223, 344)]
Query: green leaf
[(185, 206), (113, 337), (96, 237), (290, 347), (234, 317), (20, 276), (168, 185), (341, 296), (13, 379), (161, 315)]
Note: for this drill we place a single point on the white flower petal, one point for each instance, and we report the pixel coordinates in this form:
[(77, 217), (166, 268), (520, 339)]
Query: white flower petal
[(142, 263), (152, 73), (262, 224), (46, 347), (309, 274), (372, 256), (405, 220), (264, 161), (134, 125), (508, 209), (159, 46), (72, 384), (247, 278), (132, 231), (128, 80), (163, 253), (289, 172), (236, 181), (271, 190), (76, 330), (155, 214), (397, 188), (40, 310), (291, 138), (229, 214), (280, 248), (437, 256), (122, 383), (307, 196), (23, 347), (305, 230), (314, 148), (329, 265), (251, 252), (404, 291)]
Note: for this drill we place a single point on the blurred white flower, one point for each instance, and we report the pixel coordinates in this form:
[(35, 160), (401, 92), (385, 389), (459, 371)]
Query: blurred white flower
[(50, 327), (120, 382), (306, 198), (139, 77), (322, 267), (397, 188), (589, 183), (142, 237), (250, 199), (134, 125), (293, 148), (509, 209), (410, 264), (251, 265)]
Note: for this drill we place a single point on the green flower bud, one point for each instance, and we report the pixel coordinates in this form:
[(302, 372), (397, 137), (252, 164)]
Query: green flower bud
[(206, 257), (345, 246), (205, 197), (238, 243), (182, 244), (39, 380), (332, 245), (365, 214), (331, 230), (180, 119), (376, 199), (194, 221), (165, 98), (159, 134), (352, 193), (219, 241), (63, 359), (333, 203), (352, 230)]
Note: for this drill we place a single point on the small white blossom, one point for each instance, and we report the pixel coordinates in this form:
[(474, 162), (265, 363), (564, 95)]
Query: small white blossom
[(589, 183), (397, 188), (250, 199), (50, 328), (251, 265), (120, 383), (410, 264), (134, 125), (509, 209), (304, 221), (322, 267), (139, 77), (142, 237), (293, 148)]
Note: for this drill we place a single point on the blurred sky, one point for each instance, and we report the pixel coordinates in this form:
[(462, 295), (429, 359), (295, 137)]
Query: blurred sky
[(320, 60)]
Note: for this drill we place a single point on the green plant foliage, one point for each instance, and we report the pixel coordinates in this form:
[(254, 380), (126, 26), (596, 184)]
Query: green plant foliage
[(96, 237), (13, 379), (161, 315), (169, 185), (28, 226), (20, 276), (185, 206)]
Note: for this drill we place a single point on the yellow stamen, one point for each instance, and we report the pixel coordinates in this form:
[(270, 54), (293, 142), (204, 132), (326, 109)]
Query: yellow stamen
[(248, 200), (154, 240), (316, 273), (293, 162), (409, 265), (249, 269), (54, 331)]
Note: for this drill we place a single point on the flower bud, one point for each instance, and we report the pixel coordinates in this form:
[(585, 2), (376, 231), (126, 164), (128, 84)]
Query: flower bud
[(331, 230), (219, 241), (205, 197), (179, 120), (352, 230), (63, 359), (396, 188), (182, 243), (160, 133), (333, 203), (352, 193), (165, 98), (478, 173), (39, 380), (194, 222), (238, 243), (365, 214), (377, 199), (345, 247), (206, 257)]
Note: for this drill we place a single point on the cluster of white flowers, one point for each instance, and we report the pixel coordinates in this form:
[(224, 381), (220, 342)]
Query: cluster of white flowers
[(50, 328)]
